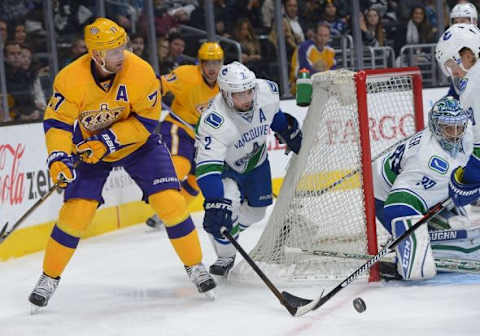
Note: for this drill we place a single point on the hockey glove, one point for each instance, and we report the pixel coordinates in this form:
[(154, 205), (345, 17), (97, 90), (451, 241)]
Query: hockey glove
[(291, 136), (60, 165), (460, 193), (97, 147), (218, 213)]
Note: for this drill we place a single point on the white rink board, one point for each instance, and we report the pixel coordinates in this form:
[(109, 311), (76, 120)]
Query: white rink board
[(24, 177)]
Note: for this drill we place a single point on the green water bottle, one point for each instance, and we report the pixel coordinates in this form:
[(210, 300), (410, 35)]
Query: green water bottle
[(304, 88)]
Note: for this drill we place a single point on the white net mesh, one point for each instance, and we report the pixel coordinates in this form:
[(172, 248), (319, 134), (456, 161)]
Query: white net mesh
[(309, 213)]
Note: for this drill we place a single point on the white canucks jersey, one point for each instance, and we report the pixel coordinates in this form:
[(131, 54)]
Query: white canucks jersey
[(417, 171), (226, 136), (469, 90)]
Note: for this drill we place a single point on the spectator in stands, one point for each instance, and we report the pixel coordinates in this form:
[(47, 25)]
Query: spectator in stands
[(164, 65), (78, 49), (371, 26), (19, 32), (309, 15), (338, 25), (175, 56), (418, 30), (251, 9), (251, 50), (291, 16), (137, 43), (3, 30), (19, 84), (314, 55), (37, 91), (290, 41)]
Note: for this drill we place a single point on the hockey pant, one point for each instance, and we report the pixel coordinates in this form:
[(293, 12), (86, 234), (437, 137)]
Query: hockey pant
[(414, 254), (243, 216)]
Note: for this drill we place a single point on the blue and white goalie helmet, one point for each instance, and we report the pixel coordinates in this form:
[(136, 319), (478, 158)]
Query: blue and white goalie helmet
[(464, 10), (235, 77), (448, 121), (453, 40)]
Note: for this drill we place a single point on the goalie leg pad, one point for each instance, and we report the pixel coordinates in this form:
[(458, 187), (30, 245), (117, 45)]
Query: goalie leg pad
[(414, 253), (457, 244)]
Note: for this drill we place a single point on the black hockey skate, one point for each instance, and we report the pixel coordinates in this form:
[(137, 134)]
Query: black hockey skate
[(43, 290), (200, 278), (222, 266)]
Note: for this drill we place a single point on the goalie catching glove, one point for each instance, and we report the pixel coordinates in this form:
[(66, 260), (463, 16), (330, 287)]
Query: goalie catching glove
[(460, 193), (218, 213), (95, 148), (60, 166), (291, 136)]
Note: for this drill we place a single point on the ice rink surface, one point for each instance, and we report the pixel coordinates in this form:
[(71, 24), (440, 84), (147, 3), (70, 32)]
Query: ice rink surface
[(130, 282)]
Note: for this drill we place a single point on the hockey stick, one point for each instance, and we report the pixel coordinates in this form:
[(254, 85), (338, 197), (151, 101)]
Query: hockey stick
[(442, 264), (315, 304), (289, 301), (4, 233)]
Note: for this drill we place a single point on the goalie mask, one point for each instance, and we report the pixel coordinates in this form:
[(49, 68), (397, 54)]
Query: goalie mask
[(465, 11), (447, 121), (238, 85)]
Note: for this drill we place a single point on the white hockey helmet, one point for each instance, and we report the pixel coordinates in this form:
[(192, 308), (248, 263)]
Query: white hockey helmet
[(447, 120), (464, 10), (453, 40), (235, 77)]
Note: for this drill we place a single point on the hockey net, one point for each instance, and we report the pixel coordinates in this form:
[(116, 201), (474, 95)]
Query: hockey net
[(326, 202)]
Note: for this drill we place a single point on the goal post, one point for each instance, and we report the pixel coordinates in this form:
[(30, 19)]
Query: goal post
[(326, 202)]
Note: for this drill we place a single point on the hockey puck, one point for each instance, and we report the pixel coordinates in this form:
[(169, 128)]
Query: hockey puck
[(359, 305)]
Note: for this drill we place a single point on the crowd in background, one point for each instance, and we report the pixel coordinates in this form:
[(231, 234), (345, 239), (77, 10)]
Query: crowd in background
[(307, 24)]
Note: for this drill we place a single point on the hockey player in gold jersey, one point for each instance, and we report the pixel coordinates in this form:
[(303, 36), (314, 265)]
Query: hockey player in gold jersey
[(103, 110), (192, 86)]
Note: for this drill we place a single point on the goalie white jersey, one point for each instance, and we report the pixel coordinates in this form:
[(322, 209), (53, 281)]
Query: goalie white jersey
[(418, 170), (225, 135)]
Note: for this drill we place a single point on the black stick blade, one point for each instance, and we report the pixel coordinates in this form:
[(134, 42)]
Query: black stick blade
[(294, 300), (2, 233)]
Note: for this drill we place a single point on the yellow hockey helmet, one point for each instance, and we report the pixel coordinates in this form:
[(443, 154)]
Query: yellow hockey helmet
[(210, 51), (104, 34)]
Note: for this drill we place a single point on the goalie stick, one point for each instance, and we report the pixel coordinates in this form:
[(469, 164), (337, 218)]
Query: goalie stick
[(315, 304), (289, 301), (442, 264)]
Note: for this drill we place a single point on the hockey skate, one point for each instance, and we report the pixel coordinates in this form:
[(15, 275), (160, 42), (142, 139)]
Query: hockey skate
[(155, 222), (201, 279), (43, 291), (222, 266)]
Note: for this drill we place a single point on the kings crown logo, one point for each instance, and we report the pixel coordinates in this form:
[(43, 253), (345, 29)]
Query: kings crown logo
[(100, 119)]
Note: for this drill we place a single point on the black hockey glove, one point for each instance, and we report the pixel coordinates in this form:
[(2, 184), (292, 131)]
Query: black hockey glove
[(292, 136), (218, 213)]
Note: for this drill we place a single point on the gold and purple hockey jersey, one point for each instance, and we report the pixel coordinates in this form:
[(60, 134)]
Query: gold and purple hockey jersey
[(82, 106)]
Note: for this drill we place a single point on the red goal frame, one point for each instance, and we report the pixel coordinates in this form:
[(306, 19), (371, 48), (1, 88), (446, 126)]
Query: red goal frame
[(361, 78)]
